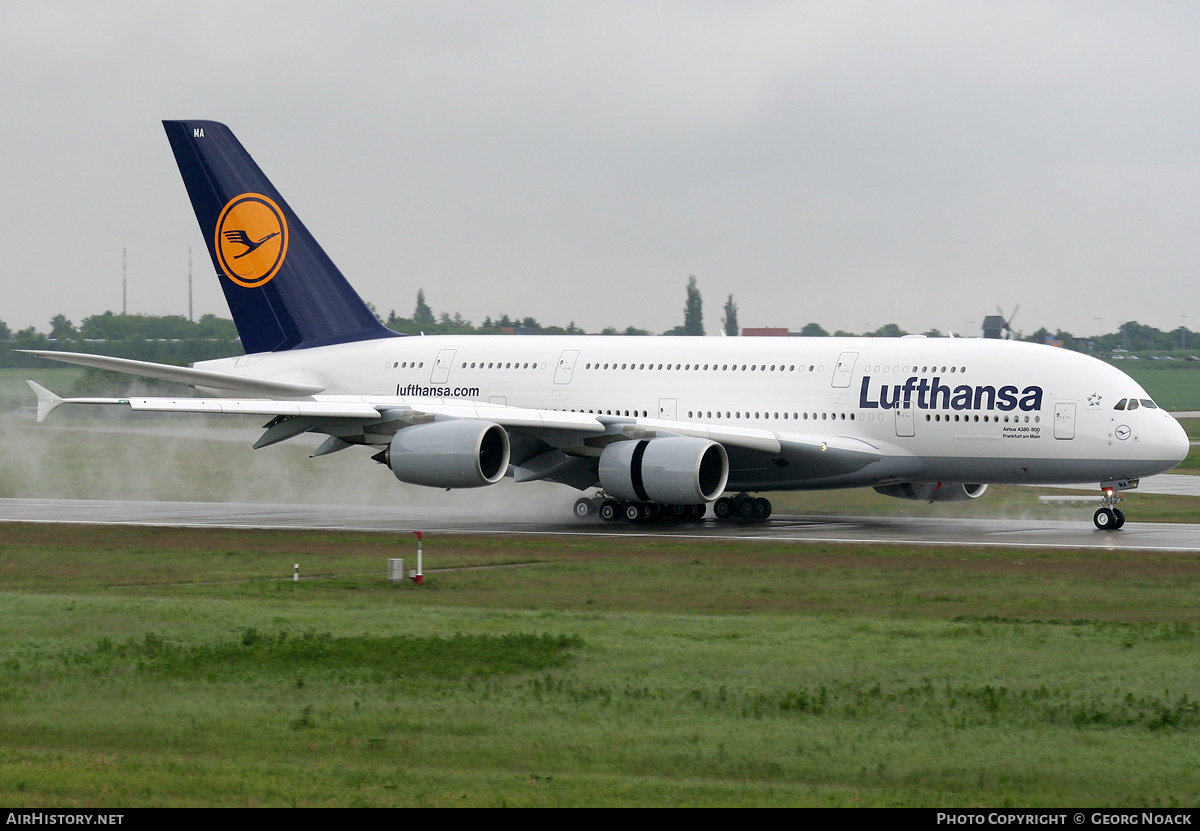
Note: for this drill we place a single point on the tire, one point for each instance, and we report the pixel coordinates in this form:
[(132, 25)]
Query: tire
[(609, 510), (745, 509), (723, 508), (1105, 519), (584, 508), (635, 512), (762, 509), (1120, 515)]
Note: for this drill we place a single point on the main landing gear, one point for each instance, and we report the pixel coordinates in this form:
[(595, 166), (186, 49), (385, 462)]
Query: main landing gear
[(740, 508), (1109, 517), (615, 510)]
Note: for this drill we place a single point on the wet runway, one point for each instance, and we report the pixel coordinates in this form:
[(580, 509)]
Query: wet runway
[(992, 532)]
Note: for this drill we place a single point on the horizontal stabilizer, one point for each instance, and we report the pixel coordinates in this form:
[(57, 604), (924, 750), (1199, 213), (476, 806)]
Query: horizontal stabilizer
[(182, 374), (48, 402)]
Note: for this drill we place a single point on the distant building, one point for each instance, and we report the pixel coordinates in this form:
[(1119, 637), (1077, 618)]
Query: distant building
[(993, 327), (765, 332)]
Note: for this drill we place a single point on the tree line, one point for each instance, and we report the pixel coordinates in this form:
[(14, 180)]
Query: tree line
[(175, 339)]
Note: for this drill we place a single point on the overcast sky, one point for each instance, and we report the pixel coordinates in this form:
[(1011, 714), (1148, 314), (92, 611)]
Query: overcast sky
[(852, 164)]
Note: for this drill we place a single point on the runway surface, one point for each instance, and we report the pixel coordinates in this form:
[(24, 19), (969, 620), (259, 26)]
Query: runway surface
[(992, 532)]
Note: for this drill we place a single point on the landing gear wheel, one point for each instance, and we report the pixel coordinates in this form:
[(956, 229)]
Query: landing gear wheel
[(584, 508), (637, 512), (723, 508), (762, 509), (697, 512), (745, 509), (1120, 515), (1105, 519), (609, 510)]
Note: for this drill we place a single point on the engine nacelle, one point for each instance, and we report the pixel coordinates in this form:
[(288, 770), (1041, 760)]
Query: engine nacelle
[(676, 470), (933, 491), (449, 454)]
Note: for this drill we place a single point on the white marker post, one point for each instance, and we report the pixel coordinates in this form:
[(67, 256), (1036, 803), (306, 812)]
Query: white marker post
[(296, 573), (418, 576)]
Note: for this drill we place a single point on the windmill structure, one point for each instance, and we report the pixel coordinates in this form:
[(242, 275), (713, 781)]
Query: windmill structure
[(999, 327)]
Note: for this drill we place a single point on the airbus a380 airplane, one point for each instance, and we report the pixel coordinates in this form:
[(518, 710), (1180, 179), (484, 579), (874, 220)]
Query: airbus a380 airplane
[(662, 426)]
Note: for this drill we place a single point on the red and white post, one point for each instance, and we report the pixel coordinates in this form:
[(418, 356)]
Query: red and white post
[(418, 576)]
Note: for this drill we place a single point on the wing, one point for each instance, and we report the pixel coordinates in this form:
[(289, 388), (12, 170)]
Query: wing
[(223, 381)]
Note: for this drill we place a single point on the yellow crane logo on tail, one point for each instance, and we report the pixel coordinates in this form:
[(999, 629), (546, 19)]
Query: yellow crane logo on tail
[(251, 239)]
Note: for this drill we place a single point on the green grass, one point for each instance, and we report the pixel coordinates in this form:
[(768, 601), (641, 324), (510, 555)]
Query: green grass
[(14, 392), (152, 667), (1175, 386)]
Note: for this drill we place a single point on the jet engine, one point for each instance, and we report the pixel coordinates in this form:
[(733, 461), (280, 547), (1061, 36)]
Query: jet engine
[(933, 491), (676, 470), (449, 454)]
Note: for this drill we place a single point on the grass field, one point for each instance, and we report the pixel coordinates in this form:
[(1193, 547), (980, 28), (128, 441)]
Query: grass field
[(1175, 386), (174, 667)]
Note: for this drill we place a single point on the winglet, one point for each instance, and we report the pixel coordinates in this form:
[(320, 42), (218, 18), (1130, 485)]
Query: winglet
[(47, 401)]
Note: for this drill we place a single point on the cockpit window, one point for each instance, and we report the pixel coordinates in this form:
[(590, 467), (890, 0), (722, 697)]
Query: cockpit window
[(1121, 404), (1148, 404), (1133, 404)]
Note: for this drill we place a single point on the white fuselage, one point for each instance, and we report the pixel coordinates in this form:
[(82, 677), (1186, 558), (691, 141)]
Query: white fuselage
[(959, 410)]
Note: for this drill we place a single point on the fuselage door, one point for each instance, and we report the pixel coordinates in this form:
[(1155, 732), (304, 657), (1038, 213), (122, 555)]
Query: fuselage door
[(905, 425), (844, 369), (441, 366), (667, 408), (566, 365), (1064, 420)]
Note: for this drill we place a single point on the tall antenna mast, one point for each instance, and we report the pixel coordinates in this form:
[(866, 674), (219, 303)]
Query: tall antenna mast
[(124, 283), (190, 318)]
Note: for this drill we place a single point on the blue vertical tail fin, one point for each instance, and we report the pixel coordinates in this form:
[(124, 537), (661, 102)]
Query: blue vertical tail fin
[(283, 290)]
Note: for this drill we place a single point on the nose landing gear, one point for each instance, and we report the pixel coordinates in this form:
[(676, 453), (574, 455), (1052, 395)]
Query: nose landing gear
[(1109, 517)]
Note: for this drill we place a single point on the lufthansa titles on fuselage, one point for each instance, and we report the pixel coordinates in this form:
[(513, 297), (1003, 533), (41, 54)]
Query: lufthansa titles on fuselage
[(931, 394)]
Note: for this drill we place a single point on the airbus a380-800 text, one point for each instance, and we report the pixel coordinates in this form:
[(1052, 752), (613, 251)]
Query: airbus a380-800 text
[(660, 426)]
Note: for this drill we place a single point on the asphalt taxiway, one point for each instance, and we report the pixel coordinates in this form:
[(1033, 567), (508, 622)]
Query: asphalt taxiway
[(1015, 533)]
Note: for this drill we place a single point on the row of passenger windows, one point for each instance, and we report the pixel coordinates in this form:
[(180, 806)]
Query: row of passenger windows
[(736, 415), (995, 419), (705, 367), (765, 367), (499, 365), (697, 367)]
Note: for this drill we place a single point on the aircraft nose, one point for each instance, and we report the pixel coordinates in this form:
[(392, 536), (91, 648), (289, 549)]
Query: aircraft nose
[(1175, 441)]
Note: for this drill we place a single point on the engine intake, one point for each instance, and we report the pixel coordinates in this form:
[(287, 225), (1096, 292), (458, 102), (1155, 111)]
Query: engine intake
[(678, 470), (449, 454), (933, 491)]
